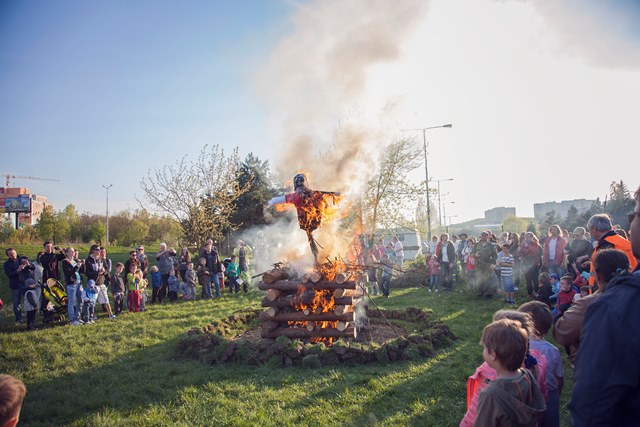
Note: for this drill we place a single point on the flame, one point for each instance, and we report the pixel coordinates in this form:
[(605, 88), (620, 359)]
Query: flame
[(322, 301)]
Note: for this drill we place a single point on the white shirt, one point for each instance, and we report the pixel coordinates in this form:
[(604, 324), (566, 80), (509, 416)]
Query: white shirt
[(552, 248), (397, 246)]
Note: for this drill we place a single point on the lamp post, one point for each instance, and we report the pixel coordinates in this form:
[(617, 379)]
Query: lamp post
[(440, 200), (426, 169), (107, 188)]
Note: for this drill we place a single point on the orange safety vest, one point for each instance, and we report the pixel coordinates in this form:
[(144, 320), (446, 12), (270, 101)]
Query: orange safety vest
[(619, 243)]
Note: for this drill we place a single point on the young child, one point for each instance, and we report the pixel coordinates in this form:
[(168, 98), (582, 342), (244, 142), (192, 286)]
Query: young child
[(204, 278), (31, 302), (554, 282), (565, 296), (142, 285), (173, 286), (89, 298), (470, 263), (514, 397), (434, 271), (534, 361), (118, 289), (12, 392), (190, 281), (232, 274), (505, 262), (542, 321), (544, 291), (387, 272), (156, 285), (133, 286)]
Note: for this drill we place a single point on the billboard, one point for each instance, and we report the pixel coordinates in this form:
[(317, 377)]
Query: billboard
[(20, 203)]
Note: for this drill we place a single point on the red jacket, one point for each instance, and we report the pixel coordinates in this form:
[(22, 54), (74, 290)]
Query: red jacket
[(560, 245)]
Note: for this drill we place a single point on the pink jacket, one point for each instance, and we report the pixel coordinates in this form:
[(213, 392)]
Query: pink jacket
[(560, 245)]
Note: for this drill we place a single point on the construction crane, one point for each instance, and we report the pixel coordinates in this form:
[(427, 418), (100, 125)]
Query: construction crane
[(9, 176)]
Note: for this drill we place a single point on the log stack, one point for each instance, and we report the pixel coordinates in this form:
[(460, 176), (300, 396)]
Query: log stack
[(309, 308)]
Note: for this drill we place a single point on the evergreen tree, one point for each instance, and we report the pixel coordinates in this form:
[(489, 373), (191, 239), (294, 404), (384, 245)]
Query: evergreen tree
[(249, 207), (573, 219)]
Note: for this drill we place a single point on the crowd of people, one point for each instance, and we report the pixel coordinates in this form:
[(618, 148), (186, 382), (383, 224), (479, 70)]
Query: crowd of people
[(38, 285)]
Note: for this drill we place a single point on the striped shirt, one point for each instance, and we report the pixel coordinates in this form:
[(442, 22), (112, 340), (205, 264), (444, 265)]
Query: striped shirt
[(507, 258)]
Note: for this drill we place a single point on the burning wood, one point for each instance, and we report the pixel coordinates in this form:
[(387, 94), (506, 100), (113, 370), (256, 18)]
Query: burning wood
[(316, 333)]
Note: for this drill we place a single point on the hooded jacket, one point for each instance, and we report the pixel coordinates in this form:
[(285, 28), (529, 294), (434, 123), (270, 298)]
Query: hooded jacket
[(606, 387), (511, 402)]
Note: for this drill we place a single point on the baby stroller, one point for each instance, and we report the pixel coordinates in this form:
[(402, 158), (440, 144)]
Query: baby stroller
[(55, 305)]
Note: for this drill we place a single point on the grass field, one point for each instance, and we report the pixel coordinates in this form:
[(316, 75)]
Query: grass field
[(125, 372)]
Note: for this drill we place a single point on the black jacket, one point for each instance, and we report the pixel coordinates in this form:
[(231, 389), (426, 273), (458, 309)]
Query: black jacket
[(451, 252), (606, 388), (11, 270)]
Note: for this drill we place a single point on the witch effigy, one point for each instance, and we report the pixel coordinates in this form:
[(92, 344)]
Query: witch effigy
[(310, 206)]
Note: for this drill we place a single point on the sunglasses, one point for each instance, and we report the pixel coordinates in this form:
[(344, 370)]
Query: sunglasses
[(631, 215)]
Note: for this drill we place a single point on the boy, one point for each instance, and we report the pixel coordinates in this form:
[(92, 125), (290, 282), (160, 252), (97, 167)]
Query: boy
[(89, 298), (31, 303), (173, 286), (156, 284), (232, 273), (118, 289), (204, 278), (514, 397), (505, 262), (542, 320), (544, 291), (566, 294), (190, 281), (12, 392)]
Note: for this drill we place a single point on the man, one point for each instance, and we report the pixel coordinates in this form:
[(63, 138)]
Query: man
[(485, 256), (12, 268), (164, 261), (399, 250), (446, 254), (601, 230), (49, 262), (606, 388), (213, 264)]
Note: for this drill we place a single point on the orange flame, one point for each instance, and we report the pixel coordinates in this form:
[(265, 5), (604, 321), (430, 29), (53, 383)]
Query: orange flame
[(314, 302)]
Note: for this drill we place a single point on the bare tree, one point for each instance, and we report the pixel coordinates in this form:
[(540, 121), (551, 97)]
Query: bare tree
[(199, 195)]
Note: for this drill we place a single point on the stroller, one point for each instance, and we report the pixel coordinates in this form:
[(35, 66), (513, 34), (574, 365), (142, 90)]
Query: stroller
[(55, 306)]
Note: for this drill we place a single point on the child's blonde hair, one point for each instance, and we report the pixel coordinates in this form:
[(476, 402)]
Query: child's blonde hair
[(154, 268), (12, 392)]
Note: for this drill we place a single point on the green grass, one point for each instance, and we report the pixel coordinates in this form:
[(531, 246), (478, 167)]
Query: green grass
[(125, 372)]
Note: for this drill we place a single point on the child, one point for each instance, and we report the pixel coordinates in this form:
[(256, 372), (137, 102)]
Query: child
[(484, 374), (470, 263), (118, 289), (554, 282), (371, 274), (514, 397), (565, 296), (542, 320), (173, 286), (89, 298), (586, 291), (505, 262), (31, 302), (156, 284), (142, 285), (204, 278), (232, 274), (434, 271), (133, 286), (12, 392), (190, 280), (544, 291), (387, 271)]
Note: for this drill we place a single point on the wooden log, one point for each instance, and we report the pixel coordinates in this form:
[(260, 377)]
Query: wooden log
[(306, 277), (294, 285), (343, 309), (311, 326), (273, 294), (272, 311), (304, 333), (343, 277), (296, 316), (275, 275), (269, 326), (341, 326), (317, 311), (340, 292), (315, 277), (290, 300)]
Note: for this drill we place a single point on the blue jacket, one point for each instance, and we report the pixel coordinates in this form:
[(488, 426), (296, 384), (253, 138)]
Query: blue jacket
[(156, 280), (606, 388)]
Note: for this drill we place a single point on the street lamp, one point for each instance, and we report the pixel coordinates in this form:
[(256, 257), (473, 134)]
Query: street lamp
[(440, 200), (426, 169), (107, 188)]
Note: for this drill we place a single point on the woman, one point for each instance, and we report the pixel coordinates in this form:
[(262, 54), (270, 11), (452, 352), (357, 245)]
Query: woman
[(514, 245), (580, 250), (529, 252), (183, 260), (553, 256)]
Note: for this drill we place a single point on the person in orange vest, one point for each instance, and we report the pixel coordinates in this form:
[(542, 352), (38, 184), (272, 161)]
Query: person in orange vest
[(601, 229)]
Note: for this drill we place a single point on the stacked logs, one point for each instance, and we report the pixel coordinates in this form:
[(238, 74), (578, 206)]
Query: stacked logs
[(290, 309)]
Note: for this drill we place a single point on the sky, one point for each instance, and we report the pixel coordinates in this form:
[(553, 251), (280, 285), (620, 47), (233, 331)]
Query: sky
[(542, 96)]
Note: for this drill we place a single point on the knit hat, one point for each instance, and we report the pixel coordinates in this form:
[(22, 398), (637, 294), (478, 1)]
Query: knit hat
[(554, 276), (91, 282)]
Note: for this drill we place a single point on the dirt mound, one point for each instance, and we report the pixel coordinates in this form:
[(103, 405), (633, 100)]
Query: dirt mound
[(391, 335)]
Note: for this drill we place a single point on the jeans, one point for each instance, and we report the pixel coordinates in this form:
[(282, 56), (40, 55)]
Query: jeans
[(206, 288), (445, 275), (556, 269), (433, 281), (88, 310), (216, 283), (551, 417), (72, 302), (386, 284), (16, 299)]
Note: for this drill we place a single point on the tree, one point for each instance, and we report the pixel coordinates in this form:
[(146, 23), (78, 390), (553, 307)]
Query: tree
[(46, 223), (514, 224), (199, 195), (531, 228), (388, 197), (620, 203), (550, 218), (249, 207), (573, 219)]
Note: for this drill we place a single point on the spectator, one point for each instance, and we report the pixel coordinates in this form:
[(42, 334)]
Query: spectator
[(12, 392), (213, 264), (601, 230), (580, 250), (530, 259), (505, 262), (514, 246), (102, 282), (156, 285), (233, 271), (565, 295), (470, 263), (133, 288), (544, 291), (71, 269), (204, 278), (49, 261), (566, 331), (399, 251), (242, 253), (143, 261), (387, 270), (190, 281), (542, 320), (164, 261), (553, 255), (183, 260), (433, 245), (607, 360), (118, 288), (446, 254), (485, 256), (31, 302), (434, 272)]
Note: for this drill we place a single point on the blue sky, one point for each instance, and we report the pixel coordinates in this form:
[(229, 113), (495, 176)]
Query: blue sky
[(98, 92)]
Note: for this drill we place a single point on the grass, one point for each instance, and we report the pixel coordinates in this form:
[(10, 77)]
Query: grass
[(125, 372)]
